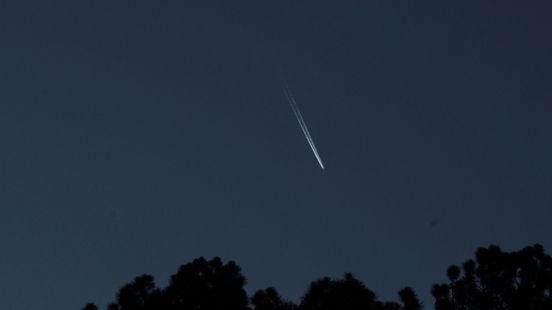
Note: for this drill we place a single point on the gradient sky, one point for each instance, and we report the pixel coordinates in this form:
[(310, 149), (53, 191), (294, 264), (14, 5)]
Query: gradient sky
[(138, 135)]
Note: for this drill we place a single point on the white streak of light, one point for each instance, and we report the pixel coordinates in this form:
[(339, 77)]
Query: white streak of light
[(301, 122)]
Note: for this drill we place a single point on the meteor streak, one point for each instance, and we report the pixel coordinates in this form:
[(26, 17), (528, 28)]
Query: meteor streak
[(301, 121)]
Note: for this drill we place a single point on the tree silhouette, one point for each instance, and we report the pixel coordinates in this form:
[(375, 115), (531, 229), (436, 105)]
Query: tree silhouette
[(207, 285), (498, 280), (409, 299), (141, 294), (90, 306), (495, 280), (201, 284), (269, 299), (213, 285), (342, 294)]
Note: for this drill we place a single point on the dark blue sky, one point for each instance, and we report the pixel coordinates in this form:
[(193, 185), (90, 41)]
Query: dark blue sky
[(138, 135)]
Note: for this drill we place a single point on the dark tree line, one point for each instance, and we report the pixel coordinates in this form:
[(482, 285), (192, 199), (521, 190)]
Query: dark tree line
[(494, 280), (498, 280)]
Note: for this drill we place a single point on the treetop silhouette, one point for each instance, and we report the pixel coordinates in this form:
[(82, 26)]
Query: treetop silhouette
[(498, 280), (494, 280)]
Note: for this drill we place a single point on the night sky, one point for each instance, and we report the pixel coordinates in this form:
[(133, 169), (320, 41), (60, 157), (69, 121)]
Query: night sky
[(138, 135)]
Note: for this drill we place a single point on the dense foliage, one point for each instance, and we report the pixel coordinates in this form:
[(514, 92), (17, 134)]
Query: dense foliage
[(494, 280), (498, 280)]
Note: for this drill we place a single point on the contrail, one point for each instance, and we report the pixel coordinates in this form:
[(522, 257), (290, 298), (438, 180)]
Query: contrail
[(303, 125), (301, 121)]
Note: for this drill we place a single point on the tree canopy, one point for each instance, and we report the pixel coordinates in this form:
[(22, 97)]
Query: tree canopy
[(494, 280), (498, 280)]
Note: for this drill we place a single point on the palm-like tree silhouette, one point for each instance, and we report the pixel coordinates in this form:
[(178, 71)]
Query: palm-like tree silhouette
[(499, 280)]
